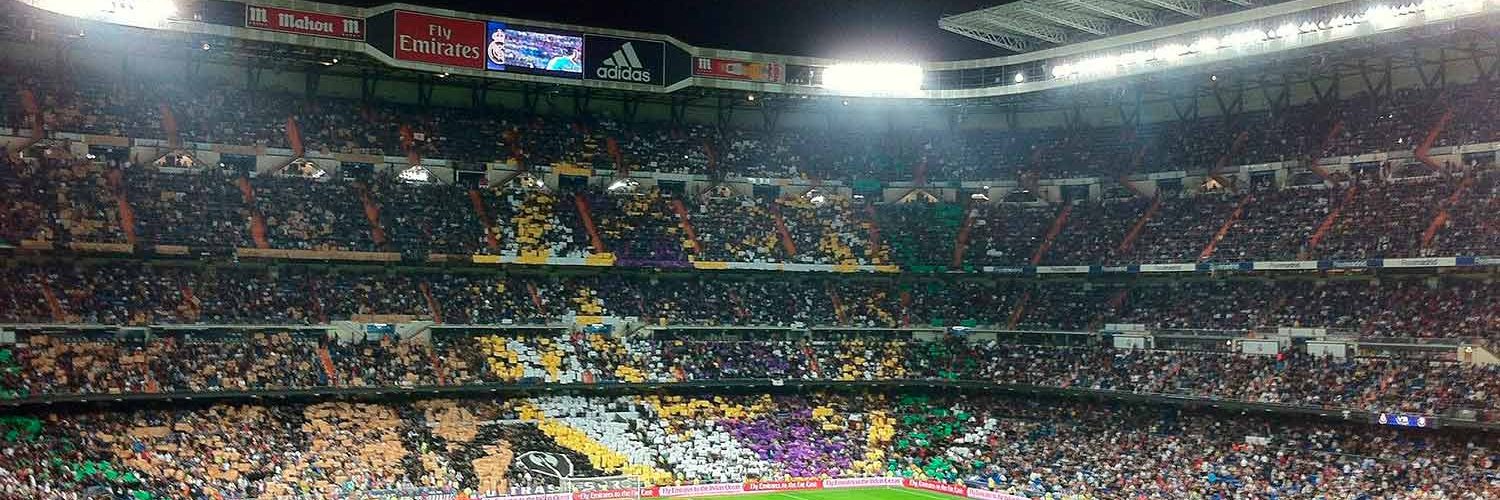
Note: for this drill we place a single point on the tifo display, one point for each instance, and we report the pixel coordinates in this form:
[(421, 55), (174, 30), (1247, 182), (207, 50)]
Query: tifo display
[(438, 255), (977, 446)]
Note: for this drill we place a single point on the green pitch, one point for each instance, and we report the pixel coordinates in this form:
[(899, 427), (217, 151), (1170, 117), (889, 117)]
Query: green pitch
[(840, 494)]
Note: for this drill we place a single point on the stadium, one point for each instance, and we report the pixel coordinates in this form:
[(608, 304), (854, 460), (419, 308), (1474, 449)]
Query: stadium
[(1138, 249)]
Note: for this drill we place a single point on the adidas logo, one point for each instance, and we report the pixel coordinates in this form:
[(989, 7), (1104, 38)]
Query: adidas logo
[(624, 65)]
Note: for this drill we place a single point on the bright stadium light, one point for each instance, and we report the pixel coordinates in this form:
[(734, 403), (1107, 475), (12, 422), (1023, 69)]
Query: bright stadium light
[(139, 13), (1206, 44), (873, 78), (623, 186), (1247, 41)]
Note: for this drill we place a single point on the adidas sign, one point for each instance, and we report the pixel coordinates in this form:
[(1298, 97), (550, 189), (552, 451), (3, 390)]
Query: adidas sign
[(624, 65)]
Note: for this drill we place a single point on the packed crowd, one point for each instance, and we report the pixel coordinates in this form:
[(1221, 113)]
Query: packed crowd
[(1035, 448), (63, 201), (57, 365), (215, 112), (140, 294)]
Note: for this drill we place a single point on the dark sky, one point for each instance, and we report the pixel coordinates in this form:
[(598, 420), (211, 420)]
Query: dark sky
[(893, 30)]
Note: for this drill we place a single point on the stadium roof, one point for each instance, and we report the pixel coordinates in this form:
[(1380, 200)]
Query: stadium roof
[(1027, 25)]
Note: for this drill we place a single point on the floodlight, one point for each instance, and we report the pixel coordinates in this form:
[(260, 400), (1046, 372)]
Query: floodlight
[(139, 13), (623, 186), (873, 78), (1170, 52), (1206, 44)]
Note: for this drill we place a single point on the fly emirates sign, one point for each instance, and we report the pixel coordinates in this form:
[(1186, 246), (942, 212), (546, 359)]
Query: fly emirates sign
[(439, 40)]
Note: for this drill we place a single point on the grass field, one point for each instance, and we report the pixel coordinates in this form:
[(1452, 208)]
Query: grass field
[(891, 493)]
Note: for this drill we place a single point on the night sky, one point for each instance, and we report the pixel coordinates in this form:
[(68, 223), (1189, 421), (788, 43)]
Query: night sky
[(884, 30)]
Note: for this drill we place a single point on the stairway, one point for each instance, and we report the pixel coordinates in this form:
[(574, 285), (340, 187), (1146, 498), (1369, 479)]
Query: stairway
[(512, 139), (315, 301), (961, 242), (1333, 133), (190, 303), (408, 144), (1124, 181), (739, 305), (587, 216), (326, 361), (169, 126), (1442, 216), (437, 367), (919, 173), (536, 298), (294, 137), (37, 126), (491, 236), (1018, 312), (433, 308), (1322, 173), (1314, 156), (612, 146), (905, 308), (1225, 159), (684, 221), (838, 304), (713, 159), (872, 247), (1213, 244), (54, 305), (812, 361), (1432, 136), (786, 236), (1139, 226), (1057, 226), (258, 231), (1112, 307), (122, 203), (372, 214), (1327, 224)]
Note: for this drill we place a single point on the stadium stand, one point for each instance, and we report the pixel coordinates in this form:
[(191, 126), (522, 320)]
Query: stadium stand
[(64, 365), (155, 294), (1050, 447), (214, 287)]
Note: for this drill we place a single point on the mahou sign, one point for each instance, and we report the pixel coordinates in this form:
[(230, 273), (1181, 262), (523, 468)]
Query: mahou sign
[(304, 23), (439, 40)]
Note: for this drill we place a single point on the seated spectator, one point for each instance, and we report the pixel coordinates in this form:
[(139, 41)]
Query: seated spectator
[(1006, 234), (307, 214), (736, 229), (193, 209), (639, 226), (1385, 220), (920, 234), (830, 232), (1276, 225), (1094, 232), (1181, 229)]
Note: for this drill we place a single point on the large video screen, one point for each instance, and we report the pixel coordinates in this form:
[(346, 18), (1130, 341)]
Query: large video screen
[(532, 50)]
